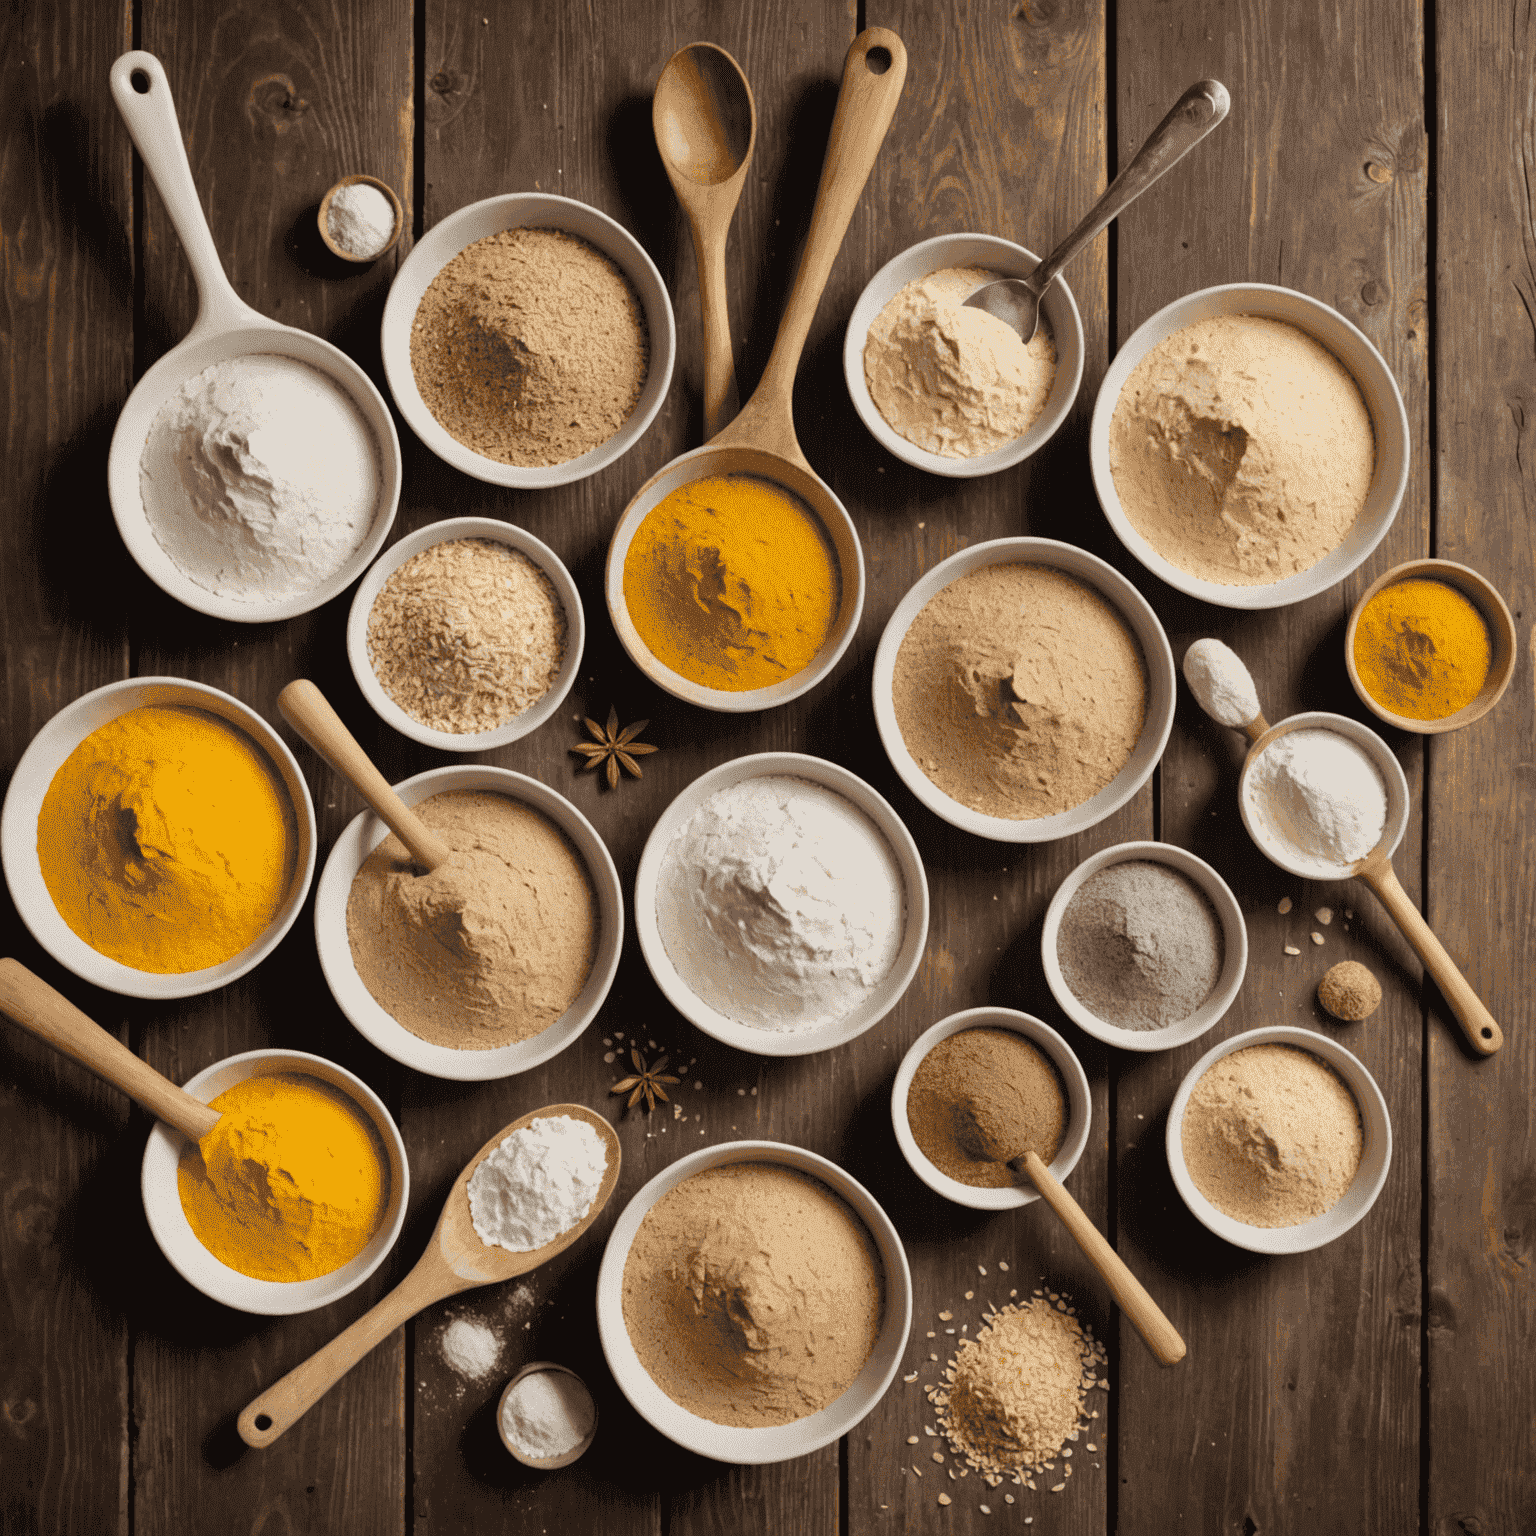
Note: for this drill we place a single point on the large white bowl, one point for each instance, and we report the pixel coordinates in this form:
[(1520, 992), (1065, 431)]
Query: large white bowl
[(1375, 1156), (442, 533), (1378, 388), (781, 1442), (196, 1264), (525, 210), (747, 1037), (1123, 598), (24, 801), (1058, 310), (365, 832), (1234, 964), (1074, 1079)]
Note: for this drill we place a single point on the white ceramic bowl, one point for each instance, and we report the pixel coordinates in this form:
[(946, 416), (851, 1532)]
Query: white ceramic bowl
[(1058, 311), (24, 801), (1138, 616), (1228, 984), (442, 533), (781, 1442), (1074, 1079), (365, 832), (1375, 1157), (523, 210), (196, 1265), (747, 1037), (1378, 388)]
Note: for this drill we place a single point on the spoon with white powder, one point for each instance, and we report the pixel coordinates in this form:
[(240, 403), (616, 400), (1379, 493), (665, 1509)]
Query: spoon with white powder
[(540, 1181), (1326, 799)]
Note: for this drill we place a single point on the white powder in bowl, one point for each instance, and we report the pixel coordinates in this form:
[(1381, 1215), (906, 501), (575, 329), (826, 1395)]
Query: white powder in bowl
[(538, 1183), (361, 220), (260, 478), (548, 1413), (781, 904), (1319, 798), (1222, 684)]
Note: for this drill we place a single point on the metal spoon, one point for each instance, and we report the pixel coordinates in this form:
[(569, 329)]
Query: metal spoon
[(1015, 300), (705, 122)]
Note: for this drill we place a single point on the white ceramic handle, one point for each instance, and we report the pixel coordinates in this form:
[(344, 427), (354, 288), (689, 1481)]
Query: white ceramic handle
[(151, 118)]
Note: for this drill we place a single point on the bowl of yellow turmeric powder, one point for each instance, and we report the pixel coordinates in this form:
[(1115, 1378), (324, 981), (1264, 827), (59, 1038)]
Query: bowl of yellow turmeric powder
[(1430, 646), (158, 838)]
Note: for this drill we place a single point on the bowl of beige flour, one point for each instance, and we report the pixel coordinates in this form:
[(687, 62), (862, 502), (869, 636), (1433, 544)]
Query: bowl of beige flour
[(1249, 446)]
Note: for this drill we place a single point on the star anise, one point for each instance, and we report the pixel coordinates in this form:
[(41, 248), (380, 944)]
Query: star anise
[(612, 748), (646, 1082)]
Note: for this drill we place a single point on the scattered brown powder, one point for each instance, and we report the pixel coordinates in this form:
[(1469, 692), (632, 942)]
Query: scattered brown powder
[(530, 347)]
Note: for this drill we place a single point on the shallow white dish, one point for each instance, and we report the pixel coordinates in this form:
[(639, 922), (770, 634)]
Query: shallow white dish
[(521, 210), (442, 533), (24, 801), (747, 1037), (1138, 616), (1375, 1156), (196, 1265), (365, 832), (781, 1442), (1378, 388), (1058, 310), (1234, 965), (1074, 1079)]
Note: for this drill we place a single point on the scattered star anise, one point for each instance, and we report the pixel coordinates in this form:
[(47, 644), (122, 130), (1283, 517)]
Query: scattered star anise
[(646, 1082), (612, 748)]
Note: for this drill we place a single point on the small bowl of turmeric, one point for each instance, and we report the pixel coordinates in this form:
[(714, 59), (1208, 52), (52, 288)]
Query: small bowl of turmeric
[(1430, 646)]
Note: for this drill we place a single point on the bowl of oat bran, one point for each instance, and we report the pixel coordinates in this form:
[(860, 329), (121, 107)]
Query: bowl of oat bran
[(522, 366), (517, 601)]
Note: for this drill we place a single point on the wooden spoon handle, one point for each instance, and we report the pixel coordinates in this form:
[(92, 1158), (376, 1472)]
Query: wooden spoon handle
[(1162, 1337), (1482, 1032), (721, 400), (309, 712), (49, 1015)]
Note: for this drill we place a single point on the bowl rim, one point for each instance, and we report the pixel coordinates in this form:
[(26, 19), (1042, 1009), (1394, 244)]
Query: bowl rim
[(1378, 389), (1058, 306), (1488, 601), (1234, 933), (196, 1264), (780, 1442), (1073, 1077), (1134, 611), (322, 217), (35, 773), (545, 1463), (748, 1037), (1375, 1156), (451, 530), (367, 1016), (488, 216)]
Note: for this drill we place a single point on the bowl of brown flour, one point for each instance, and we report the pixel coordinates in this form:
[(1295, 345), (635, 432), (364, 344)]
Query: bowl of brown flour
[(528, 340)]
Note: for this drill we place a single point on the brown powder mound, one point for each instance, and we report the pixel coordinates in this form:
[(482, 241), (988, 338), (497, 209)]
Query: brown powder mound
[(753, 1295)]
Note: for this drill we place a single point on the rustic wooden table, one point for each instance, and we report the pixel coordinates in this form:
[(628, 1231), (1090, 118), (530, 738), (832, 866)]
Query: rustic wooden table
[(1377, 157)]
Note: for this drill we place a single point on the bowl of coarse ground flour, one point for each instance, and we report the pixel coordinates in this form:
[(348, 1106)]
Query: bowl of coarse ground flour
[(1249, 446)]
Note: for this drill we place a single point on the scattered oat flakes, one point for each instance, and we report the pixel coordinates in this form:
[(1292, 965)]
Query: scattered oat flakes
[(983, 1508), (944, 1498), (1002, 1264), (1324, 915), (911, 1439), (912, 1377), (1291, 949), (938, 1456), (981, 1269), (1317, 938), (1285, 905), (1058, 1487)]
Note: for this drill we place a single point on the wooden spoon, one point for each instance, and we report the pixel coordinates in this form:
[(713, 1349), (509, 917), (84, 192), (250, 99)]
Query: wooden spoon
[(48, 1014), (705, 122), (456, 1260), (309, 712)]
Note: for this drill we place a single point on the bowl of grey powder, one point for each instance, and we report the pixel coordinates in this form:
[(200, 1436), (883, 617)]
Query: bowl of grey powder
[(1279, 1140), (1144, 946), (466, 635), (1249, 446), (528, 340)]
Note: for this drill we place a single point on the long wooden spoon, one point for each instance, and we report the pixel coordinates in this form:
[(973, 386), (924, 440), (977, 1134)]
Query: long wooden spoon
[(456, 1260), (309, 712), (705, 122)]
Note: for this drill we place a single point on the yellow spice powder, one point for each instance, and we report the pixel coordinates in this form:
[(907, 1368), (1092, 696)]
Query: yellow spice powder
[(166, 840), (1422, 649)]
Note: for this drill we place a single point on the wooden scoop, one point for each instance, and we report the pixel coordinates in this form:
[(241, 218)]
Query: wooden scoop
[(308, 711), (49, 1015), (705, 122), (456, 1260)]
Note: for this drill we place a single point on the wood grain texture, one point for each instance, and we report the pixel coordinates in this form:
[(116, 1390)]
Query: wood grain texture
[(1482, 789), (1298, 1407)]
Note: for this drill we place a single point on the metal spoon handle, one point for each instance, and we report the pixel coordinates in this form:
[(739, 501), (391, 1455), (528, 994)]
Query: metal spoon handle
[(1196, 112)]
